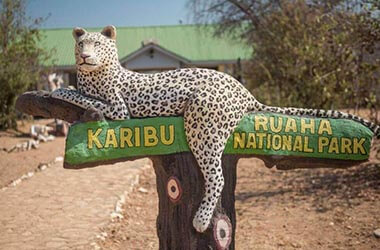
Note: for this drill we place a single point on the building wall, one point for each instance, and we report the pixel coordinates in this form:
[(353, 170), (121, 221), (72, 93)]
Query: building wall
[(158, 63), (152, 59)]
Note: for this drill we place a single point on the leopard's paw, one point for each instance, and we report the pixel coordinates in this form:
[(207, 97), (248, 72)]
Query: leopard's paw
[(200, 223)]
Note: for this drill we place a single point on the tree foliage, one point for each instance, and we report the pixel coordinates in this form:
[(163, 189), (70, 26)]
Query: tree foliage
[(321, 54), (20, 57)]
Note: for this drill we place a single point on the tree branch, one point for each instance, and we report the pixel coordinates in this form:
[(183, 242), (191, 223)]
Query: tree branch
[(39, 103)]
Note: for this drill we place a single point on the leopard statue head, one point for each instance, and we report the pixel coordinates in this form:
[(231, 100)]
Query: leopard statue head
[(95, 50)]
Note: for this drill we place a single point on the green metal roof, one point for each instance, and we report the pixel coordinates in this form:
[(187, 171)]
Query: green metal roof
[(189, 41)]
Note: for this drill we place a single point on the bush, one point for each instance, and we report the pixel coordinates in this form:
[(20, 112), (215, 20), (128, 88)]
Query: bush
[(307, 53), (20, 57)]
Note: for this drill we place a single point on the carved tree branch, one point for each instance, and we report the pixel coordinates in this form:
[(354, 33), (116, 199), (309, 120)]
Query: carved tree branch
[(39, 103), (180, 185)]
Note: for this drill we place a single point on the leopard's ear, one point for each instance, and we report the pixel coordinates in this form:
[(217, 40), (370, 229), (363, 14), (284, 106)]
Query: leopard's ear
[(78, 32), (110, 32)]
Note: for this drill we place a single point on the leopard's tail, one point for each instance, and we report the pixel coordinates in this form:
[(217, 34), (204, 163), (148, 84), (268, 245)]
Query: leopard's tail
[(257, 106)]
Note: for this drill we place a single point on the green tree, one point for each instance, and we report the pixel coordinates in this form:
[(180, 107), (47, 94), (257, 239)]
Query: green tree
[(309, 53), (20, 57)]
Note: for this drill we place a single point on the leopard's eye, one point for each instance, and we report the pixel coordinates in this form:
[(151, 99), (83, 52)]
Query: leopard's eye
[(97, 43), (80, 44)]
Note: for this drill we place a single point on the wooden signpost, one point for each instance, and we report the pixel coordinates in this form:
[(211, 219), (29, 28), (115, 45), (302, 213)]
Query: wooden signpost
[(282, 141)]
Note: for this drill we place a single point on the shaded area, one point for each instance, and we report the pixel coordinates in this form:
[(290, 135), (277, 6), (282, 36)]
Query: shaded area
[(298, 209), (327, 188), (337, 188), (308, 208)]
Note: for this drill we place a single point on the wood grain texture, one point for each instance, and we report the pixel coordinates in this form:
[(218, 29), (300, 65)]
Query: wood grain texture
[(174, 221)]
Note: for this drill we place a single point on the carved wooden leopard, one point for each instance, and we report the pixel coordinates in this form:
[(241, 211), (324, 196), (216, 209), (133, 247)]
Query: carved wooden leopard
[(212, 104)]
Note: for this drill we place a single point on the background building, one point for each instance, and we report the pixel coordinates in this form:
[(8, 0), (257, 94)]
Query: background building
[(154, 49)]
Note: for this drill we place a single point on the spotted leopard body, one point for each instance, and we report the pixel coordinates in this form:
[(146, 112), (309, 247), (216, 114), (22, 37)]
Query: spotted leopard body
[(212, 104)]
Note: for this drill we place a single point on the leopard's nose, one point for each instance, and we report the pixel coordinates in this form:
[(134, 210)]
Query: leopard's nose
[(84, 55)]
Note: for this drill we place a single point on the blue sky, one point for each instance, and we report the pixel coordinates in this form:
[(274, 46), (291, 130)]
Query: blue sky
[(99, 13)]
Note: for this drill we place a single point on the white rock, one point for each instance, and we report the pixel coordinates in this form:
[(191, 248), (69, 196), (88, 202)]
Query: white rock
[(377, 233), (115, 215), (143, 190), (58, 159), (42, 167), (15, 182)]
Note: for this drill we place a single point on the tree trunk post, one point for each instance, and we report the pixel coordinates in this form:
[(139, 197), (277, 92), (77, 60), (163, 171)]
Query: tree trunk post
[(180, 188), (180, 183)]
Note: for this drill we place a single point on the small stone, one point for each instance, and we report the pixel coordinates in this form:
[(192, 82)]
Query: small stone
[(331, 223), (27, 233), (115, 215), (295, 245), (54, 245), (58, 159), (15, 182), (42, 166), (377, 233), (95, 246), (143, 190), (280, 243), (102, 236)]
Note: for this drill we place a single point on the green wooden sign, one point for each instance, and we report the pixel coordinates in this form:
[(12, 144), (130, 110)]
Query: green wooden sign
[(257, 134)]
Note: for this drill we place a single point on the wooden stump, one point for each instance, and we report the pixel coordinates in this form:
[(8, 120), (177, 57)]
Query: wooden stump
[(180, 188), (180, 183)]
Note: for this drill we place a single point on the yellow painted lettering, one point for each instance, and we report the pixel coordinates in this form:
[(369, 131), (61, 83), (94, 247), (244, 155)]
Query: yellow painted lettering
[(150, 136), (306, 147), (276, 144), (345, 146), (110, 139), (322, 142), (125, 137), (239, 140), (137, 137), (93, 138), (305, 126), (170, 140), (273, 128), (358, 146), (261, 121), (334, 146), (291, 125), (297, 146), (324, 127), (287, 142), (251, 141), (261, 137), (269, 137)]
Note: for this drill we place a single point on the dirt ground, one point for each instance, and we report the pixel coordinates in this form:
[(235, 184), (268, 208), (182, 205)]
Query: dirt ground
[(14, 165), (297, 209)]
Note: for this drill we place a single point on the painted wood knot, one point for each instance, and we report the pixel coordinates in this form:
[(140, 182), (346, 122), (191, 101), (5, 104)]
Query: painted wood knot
[(174, 189), (222, 232)]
